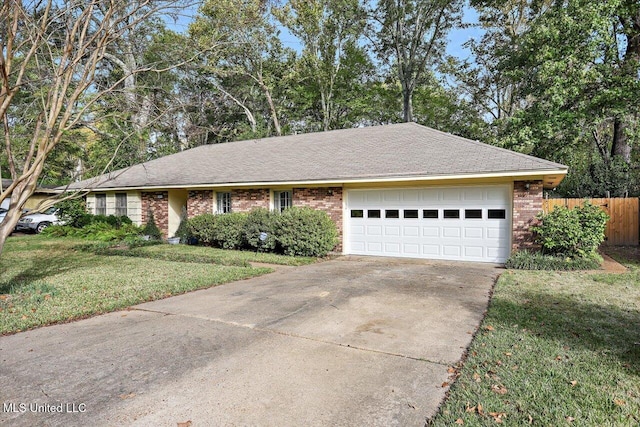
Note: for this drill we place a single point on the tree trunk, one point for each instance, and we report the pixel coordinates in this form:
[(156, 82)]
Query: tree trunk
[(272, 107), (620, 146), (407, 105)]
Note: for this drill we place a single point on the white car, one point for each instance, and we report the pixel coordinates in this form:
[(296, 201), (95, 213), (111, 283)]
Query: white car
[(38, 221)]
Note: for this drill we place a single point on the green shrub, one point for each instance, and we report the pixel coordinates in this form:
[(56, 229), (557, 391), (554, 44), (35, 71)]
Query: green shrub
[(228, 230), (260, 220), (526, 260), (58, 231), (571, 232), (151, 229), (306, 232), (202, 228), (73, 212), (183, 229)]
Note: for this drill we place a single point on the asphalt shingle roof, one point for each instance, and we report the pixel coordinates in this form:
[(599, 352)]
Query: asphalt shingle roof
[(392, 151)]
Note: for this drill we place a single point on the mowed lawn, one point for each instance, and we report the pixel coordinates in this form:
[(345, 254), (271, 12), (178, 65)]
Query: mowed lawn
[(554, 349), (44, 281)]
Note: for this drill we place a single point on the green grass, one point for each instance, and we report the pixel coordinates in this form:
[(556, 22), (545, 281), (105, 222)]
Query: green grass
[(555, 348), (197, 254), (44, 281)]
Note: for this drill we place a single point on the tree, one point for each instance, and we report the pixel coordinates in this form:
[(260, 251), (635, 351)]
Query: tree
[(51, 54), (412, 35), (249, 45), (329, 31), (578, 64)]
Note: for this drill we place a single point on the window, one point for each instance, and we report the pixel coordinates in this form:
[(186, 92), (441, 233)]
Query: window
[(281, 200), (411, 213), (473, 213), (373, 213), (392, 213), (451, 214), (223, 203), (101, 204), (430, 214), (496, 214), (357, 213), (121, 204)]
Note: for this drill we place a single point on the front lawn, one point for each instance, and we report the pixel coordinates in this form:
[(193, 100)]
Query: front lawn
[(44, 281), (217, 256), (555, 348)]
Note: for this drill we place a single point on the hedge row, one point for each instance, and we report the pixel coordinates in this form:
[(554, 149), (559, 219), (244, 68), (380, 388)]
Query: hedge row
[(296, 231)]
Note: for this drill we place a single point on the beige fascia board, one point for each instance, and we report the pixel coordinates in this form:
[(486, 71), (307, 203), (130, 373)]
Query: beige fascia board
[(512, 176)]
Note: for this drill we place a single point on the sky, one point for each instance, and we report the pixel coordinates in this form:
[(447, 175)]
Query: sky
[(456, 37)]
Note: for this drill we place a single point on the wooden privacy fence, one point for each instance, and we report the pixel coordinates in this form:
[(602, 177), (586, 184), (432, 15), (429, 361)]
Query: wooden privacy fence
[(623, 225)]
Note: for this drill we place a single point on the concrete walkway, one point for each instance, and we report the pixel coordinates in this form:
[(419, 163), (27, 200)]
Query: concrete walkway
[(353, 341)]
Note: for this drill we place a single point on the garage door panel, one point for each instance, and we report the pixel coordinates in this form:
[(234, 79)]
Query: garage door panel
[(431, 231), (392, 231), (374, 230), (431, 250), (392, 248), (411, 231), (452, 251), (473, 232), (457, 223), (451, 232)]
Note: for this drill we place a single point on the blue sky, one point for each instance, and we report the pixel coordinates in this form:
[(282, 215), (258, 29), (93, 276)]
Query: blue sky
[(456, 37)]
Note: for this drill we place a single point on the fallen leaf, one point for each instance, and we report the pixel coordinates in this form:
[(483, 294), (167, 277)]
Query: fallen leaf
[(476, 377), (489, 328), (445, 384), (451, 370), (573, 383), (4, 297), (499, 389), (530, 419), (479, 409), (24, 317), (469, 409), (498, 416), (459, 421), (127, 396), (185, 424), (508, 354), (619, 402), (123, 315), (558, 357), (570, 419)]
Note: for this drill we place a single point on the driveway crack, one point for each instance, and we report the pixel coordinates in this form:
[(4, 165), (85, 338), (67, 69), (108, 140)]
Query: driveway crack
[(253, 327)]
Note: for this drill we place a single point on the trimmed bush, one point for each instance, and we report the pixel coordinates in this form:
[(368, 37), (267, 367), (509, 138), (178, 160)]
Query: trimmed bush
[(306, 232), (525, 260), (260, 220), (202, 228), (151, 229), (183, 229), (571, 232), (228, 230)]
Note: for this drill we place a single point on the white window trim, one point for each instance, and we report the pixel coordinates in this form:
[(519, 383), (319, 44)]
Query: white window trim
[(216, 206), (273, 204)]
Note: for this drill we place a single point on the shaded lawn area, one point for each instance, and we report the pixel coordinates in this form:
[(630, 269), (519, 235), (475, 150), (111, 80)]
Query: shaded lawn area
[(555, 348), (44, 281)]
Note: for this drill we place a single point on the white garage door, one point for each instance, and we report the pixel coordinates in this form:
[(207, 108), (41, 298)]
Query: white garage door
[(452, 223)]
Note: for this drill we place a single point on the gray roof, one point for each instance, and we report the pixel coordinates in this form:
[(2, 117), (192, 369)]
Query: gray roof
[(391, 151)]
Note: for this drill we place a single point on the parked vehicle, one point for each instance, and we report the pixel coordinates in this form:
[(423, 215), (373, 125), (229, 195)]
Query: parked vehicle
[(38, 221)]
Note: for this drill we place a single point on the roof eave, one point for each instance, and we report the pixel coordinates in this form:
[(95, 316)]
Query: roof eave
[(550, 178)]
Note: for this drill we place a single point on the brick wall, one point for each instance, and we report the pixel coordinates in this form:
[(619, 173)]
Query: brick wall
[(158, 203), (328, 199), (245, 200), (526, 205), (199, 202)]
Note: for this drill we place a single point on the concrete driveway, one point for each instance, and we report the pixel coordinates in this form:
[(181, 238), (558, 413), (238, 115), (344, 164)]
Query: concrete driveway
[(353, 341)]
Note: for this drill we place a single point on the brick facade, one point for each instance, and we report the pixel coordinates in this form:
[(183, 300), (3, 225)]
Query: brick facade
[(199, 202), (527, 203), (327, 199), (245, 200), (158, 203)]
